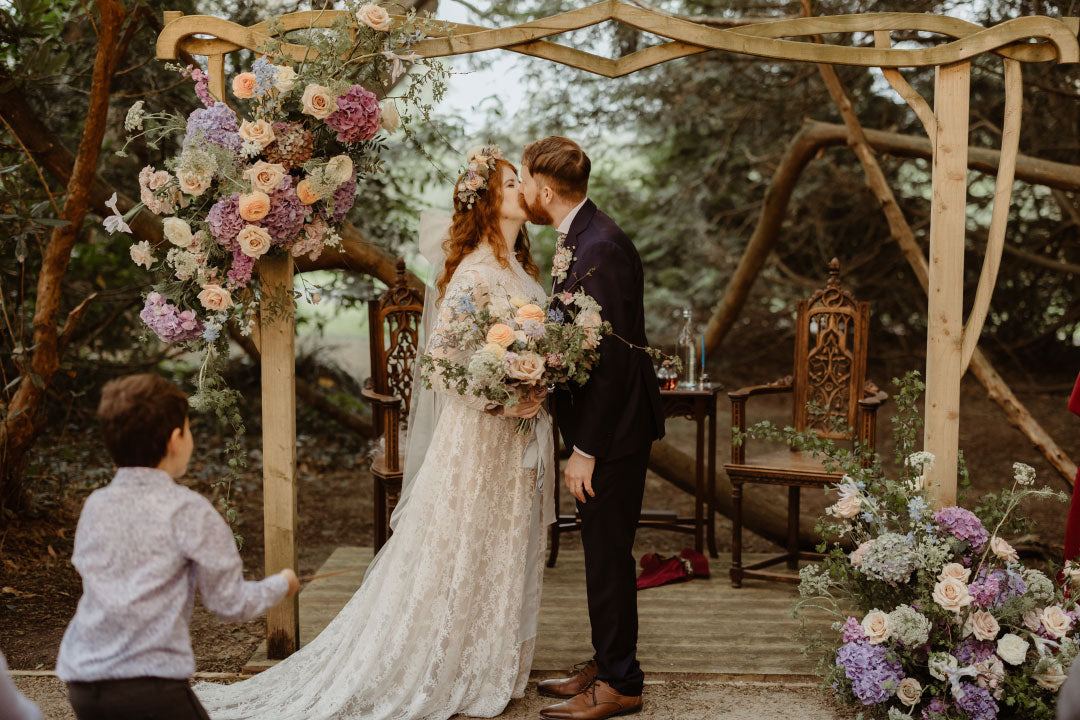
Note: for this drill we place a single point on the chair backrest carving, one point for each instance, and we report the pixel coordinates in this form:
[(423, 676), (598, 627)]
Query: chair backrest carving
[(394, 328), (830, 358)]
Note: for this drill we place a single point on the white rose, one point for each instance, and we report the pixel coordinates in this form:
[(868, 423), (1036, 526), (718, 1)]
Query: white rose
[(1052, 678), (177, 231), (254, 241), (956, 571), (909, 691), (266, 177), (318, 102), (339, 168), (1003, 550), (284, 78), (527, 367), (984, 625), (590, 319), (876, 627), (215, 298), (941, 664), (951, 594), (259, 132), (374, 17), (1056, 622), (193, 183), (142, 255), (845, 508), (389, 117), (1012, 648)]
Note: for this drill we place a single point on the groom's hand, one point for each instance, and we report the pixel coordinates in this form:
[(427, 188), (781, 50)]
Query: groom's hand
[(578, 476)]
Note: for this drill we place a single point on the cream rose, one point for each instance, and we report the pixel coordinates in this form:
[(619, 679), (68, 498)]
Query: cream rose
[(254, 206), (215, 298), (474, 182), (318, 102), (1003, 550), (495, 349), (177, 231), (243, 85), (266, 177), (305, 193), (194, 183), (339, 168), (527, 367), (590, 319), (260, 132), (529, 312), (951, 594), (1012, 648), (1052, 678), (956, 571), (141, 254), (254, 241), (876, 627), (374, 17), (1056, 622), (501, 335), (284, 78), (389, 118), (909, 691), (984, 626), (845, 508)]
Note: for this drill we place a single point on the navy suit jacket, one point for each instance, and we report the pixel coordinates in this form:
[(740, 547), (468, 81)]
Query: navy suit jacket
[(617, 411)]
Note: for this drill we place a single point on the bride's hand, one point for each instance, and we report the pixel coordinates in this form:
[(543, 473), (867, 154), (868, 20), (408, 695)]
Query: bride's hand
[(527, 408)]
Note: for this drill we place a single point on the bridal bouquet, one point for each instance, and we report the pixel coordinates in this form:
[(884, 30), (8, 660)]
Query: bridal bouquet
[(937, 617)]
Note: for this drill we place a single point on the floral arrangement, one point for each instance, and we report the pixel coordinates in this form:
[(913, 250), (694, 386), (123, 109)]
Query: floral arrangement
[(480, 163), (937, 617)]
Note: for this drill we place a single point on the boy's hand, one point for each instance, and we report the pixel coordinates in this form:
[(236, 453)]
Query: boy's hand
[(294, 583)]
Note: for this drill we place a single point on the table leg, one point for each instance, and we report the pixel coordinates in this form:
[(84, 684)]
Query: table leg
[(793, 528), (712, 480), (736, 534), (699, 490)]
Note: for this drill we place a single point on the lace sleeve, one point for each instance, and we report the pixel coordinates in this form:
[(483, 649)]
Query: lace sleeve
[(450, 339)]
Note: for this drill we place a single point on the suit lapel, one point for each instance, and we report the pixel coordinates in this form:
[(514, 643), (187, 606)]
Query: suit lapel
[(573, 238)]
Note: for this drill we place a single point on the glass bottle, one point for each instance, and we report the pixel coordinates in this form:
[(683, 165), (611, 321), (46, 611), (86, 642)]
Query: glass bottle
[(688, 349)]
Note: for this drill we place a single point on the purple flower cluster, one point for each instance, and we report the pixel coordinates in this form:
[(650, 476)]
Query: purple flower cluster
[(963, 524), (977, 702), (344, 199), (357, 116), (287, 214), (994, 589), (215, 124), (852, 630), (971, 650), (240, 271), (166, 320), (870, 670), (935, 709), (225, 221)]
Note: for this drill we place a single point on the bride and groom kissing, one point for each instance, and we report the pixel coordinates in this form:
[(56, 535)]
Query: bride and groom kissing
[(445, 620)]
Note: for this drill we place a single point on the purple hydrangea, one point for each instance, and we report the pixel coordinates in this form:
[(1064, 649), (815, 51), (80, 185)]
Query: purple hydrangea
[(287, 214), (874, 677), (963, 524), (217, 124), (853, 631), (971, 650), (168, 322), (344, 198), (357, 116), (935, 709), (977, 702), (225, 221), (994, 589), (240, 272)]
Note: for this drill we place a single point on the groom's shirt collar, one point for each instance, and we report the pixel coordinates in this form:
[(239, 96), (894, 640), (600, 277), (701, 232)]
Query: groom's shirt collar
[(564, 226)]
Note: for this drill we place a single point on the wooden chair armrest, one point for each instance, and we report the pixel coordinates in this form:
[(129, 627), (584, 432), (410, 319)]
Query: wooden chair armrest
[(873, 402), (776, 387), (379, 399)]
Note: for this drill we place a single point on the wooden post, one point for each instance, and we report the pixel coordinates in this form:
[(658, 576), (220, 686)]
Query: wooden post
[(276, 330), (945, 329)]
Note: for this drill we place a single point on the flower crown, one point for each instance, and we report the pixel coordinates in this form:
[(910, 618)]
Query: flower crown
[(480, 163)]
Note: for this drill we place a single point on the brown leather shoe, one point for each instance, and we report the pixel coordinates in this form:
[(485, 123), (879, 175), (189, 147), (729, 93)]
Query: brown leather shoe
[(581, 676), (598, 701)]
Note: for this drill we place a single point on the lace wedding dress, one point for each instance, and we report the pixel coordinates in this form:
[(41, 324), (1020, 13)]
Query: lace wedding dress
[(445, 619)]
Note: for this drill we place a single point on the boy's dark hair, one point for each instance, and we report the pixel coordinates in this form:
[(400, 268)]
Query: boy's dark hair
[(138, 414), (561, 163)]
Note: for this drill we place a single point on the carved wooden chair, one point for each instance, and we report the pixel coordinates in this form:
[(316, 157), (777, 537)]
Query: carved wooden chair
[(830, 372), (394, 327)]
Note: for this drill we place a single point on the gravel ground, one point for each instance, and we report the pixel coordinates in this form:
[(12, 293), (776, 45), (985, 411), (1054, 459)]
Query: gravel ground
[(663, 701)]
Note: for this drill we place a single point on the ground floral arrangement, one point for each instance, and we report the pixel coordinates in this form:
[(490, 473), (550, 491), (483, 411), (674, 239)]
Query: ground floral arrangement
[(937, 617), (273, 171)]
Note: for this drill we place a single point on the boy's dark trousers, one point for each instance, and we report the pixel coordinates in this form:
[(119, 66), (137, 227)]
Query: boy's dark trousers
[(135, 699)]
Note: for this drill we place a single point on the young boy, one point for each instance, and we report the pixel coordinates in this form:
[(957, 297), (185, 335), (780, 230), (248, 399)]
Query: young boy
[(143, 545)]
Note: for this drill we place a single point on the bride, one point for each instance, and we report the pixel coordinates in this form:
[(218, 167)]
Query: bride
[(445, 619)]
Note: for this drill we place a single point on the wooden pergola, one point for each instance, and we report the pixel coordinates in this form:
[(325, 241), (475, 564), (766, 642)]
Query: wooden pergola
[(950, 342)]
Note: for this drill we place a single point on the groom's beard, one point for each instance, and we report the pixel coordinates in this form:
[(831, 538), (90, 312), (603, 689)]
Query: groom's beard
[(534, 213)]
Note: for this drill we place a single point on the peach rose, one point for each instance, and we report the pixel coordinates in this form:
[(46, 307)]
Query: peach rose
[(193, 183), (501, 335), (1004, 550), (876, 627), (318, 102), (951, 594), (527, 367), (215, 298), (389, 117), (529, 312), (254, 241), (909, 691), (984, 626), (956, 571), (266, 177), (243, 85), (254, 206), (305, 193), (845, 508), (374, 17), (260, 132), (1056, 622)]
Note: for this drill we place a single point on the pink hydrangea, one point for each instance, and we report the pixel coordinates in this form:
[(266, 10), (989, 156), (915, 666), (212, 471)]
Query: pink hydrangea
[(168, 322), (240, 271), (357, 116), (225, 221)]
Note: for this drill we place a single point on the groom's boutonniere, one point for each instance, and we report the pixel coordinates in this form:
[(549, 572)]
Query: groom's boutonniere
[(561, 262)]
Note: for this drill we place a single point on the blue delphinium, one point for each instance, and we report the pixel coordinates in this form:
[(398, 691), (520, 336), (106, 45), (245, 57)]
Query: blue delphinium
[(264, 72), (916, 508), (465, 305)]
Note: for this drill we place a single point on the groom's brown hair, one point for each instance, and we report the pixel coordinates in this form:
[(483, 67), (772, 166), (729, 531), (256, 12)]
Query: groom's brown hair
[(561, 163)]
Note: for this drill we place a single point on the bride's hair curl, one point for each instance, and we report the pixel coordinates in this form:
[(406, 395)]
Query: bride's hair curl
[(478, 222)]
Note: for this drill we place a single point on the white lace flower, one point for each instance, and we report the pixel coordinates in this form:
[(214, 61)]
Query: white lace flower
[(1024, 474)]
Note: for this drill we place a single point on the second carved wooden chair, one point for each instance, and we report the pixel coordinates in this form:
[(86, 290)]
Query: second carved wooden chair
[(830, 372), (394, 327)]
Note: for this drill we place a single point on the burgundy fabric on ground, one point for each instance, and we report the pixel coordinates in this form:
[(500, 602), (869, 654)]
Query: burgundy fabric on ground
[(1072, 527), (657, 570)]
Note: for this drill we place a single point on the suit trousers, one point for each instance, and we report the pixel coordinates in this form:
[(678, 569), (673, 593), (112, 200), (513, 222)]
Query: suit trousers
[(146, 698), (608, 525)]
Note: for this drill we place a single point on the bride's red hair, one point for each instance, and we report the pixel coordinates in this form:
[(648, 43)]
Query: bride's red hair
[(480, 223)]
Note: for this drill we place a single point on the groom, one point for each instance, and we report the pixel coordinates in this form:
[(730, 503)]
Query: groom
[(610, 422)]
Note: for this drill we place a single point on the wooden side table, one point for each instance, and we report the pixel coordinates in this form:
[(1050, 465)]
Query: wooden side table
[(694, 403)]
